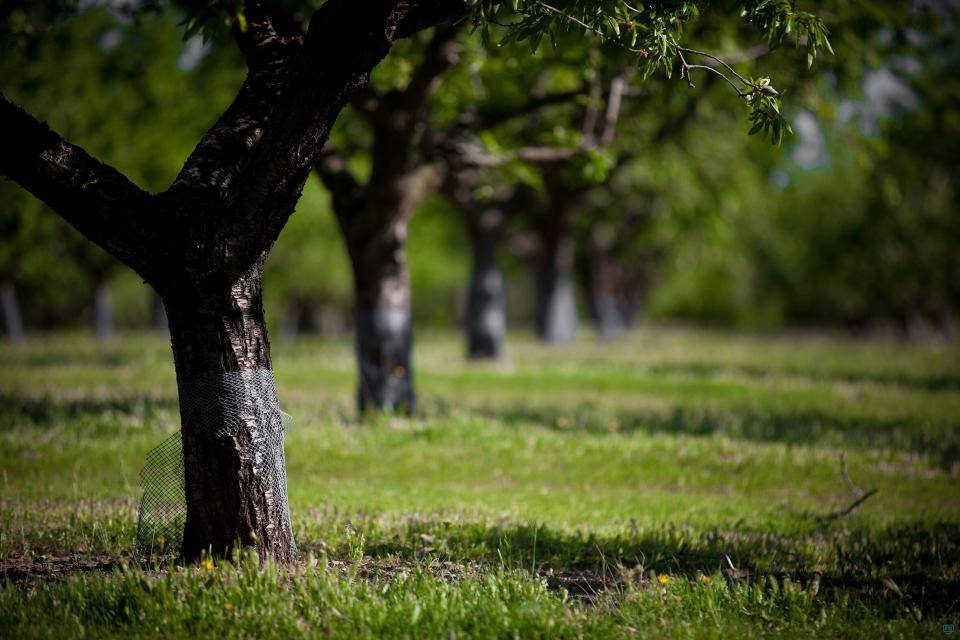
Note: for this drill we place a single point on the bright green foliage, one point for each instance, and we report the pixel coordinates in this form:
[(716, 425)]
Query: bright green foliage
[(654, 33), (864, 237)]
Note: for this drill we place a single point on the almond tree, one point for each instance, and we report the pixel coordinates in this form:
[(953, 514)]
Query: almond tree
[(202, 242)]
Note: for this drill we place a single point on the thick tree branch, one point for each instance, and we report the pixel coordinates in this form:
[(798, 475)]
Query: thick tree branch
[(612, 114), (442, 53), (259, 40), (401, 114), (218, 159), (423, 14), (367, 101), (489, 118), (345, 40), (336, 176), (95, 198)]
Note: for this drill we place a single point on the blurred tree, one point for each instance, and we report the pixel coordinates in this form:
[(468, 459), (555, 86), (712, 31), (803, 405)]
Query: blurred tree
[(373, 219)]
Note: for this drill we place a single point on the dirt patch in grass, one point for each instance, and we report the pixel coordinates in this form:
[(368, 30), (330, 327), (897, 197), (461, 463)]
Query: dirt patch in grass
[(25, 571)]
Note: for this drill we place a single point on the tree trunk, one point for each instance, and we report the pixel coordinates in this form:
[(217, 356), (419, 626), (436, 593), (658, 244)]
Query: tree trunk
[(384, 328), (103, 324), (10, 310), (235, 475), (600, 284), (556, 313), (486, 301)]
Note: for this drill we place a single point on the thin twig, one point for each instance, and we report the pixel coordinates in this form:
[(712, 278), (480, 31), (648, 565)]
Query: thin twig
[(862, 496), (686, 67), (715, 59), (842, 513), (583, 24), (846, 476), (685, 71)]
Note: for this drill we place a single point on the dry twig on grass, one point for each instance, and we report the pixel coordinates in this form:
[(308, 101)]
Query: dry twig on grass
[(862, 496)]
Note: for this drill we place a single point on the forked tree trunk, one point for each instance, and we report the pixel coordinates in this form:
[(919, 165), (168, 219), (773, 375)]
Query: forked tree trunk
[(384, 327), (10, 311), (486, 319), (235, 477), (103, 323)]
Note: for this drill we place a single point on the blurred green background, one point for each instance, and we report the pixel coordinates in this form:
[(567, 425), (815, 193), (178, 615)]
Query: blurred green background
[(852, 223)]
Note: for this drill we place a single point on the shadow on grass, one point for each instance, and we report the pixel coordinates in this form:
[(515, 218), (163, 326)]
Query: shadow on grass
[(107, 357), (918, 381), (940, 440), (49, 411), (894, 569), (912, 566)]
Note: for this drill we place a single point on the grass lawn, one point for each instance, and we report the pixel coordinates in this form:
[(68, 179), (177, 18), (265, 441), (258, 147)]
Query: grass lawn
[(671, 484)]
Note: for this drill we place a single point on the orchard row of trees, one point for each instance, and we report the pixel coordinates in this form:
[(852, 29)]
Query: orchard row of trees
[(58, 277), (575, 133)]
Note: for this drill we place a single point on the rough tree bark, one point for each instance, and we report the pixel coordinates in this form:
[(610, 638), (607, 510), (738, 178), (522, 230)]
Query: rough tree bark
[(202, 244), (373, 219), (228, 410)]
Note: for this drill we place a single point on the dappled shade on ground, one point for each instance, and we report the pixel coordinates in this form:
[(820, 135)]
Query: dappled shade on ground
[(672, 483)]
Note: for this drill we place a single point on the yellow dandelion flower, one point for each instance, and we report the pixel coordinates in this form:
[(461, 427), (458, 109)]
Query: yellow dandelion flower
[(663, 579), (207, 564), (705, 579), (228, 606)]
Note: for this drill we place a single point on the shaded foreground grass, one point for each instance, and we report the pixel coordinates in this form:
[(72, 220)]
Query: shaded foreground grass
[(673, 484)]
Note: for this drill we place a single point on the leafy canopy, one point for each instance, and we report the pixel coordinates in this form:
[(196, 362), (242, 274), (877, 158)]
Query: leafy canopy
[(654, 32)]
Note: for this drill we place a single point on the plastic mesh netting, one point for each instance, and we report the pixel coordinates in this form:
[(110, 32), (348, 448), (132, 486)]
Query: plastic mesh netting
[(214, 406)]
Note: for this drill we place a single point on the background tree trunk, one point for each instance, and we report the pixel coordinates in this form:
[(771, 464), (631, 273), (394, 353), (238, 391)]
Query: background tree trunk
[(556, 303), (10, 311), (384, 328), (103, 322), (235, 477), (600, 275), (556, 312), (486, 319)]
